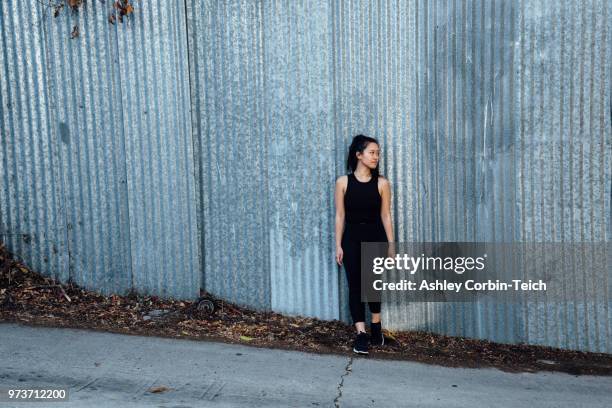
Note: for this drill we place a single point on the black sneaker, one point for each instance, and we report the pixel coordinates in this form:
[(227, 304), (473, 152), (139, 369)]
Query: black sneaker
[(377, 338), (360, 345)]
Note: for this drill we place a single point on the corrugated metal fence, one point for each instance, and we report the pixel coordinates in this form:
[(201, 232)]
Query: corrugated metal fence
[(197, 144)]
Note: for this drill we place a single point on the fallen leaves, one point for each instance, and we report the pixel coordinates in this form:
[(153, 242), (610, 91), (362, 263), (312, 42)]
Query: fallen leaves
[(28, 297), (118, 10), (123, 8)]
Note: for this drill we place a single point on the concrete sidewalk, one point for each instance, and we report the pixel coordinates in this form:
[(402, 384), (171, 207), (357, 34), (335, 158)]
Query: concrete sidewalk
[(109, 370)]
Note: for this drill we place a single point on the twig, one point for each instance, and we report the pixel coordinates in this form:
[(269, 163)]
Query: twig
[(52, 286)]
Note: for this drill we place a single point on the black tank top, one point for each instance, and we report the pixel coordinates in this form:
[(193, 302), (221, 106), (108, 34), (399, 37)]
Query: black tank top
[(362, 201)]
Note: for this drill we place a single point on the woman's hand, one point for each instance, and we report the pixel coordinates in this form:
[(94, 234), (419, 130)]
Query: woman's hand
[(391, 252), (339, 254)]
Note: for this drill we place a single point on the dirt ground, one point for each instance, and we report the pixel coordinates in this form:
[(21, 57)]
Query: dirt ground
[(29, 298)]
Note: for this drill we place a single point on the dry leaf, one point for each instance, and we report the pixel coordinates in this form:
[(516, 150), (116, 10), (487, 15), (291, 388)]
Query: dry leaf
[(246, 338), (57, 9), (124, 7), (75, 3), (159, 388), (390, 335), (75, 32)]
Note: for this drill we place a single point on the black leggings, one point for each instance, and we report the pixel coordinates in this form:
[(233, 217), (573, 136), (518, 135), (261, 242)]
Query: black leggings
[(354, 234)]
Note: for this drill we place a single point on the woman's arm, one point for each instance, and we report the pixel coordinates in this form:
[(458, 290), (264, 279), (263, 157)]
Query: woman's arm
[(339, 199), (385, 210)]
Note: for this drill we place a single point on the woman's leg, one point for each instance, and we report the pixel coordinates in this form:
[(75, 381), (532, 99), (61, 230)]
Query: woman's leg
[(375, 310), (357, 307), (352, 265), (376, 336), (380, 236)]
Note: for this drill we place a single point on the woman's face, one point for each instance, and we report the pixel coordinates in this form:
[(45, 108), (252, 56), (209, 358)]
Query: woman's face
[(370, 155)]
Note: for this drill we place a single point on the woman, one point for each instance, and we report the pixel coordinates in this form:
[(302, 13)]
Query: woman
[(363, 200)]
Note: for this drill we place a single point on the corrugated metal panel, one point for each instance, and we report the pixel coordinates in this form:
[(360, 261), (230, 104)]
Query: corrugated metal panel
[(375, 71), (32, 222), (85, 111), (513, 145), (564, 160), (299, 90), (493, 117), (228, 78), (156, 115), (469, 113), (124, 168), (457, 61)]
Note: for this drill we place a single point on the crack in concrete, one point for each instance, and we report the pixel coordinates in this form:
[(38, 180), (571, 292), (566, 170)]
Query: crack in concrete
[(347, 371)]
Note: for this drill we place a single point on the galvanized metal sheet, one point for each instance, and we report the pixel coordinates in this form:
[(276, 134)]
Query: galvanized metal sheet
[(155, 100), (564, 160), (32, 219), (493, 118), (86, 115), (110, 161), (299, 129), (232, 149), (514, 145)]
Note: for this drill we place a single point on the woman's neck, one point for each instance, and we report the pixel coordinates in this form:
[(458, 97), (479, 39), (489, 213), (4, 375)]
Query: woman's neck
[(363, 172)]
